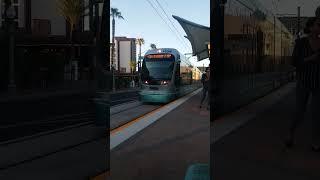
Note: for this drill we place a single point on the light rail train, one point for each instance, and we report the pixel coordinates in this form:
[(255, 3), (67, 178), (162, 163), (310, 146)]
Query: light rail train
[(166, 75)]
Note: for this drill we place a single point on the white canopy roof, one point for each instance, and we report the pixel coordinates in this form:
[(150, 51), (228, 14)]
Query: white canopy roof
[(198, 35)]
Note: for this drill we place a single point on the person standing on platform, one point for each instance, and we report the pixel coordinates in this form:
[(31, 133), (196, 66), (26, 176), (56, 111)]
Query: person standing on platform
[(205, 83), (306, 59)]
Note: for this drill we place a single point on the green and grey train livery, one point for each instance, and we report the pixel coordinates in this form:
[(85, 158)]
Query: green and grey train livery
[(165, 75)]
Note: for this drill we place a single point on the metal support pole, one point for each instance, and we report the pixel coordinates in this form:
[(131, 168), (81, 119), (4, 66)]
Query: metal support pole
[(299, 21), (274, 43)]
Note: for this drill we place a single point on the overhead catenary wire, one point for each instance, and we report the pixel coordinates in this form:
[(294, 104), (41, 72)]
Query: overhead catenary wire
[(164, 21), (178, 36), (316, 4), (178, 33), (275, 6), (168, 7)]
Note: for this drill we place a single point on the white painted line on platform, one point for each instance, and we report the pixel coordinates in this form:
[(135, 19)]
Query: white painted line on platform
[(121, 134)]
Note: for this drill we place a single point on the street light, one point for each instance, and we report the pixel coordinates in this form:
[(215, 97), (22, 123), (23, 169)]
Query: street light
[(10, 15)]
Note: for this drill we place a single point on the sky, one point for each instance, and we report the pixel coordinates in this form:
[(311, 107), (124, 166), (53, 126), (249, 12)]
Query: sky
[(308, 7), (142, 21)]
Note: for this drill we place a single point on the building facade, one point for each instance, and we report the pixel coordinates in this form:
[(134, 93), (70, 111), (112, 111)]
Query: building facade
[(125, 52), (43, 48), (32, 15)]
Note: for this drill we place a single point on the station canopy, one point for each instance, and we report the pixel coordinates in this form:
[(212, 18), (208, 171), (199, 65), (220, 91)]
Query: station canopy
[(199, 37)]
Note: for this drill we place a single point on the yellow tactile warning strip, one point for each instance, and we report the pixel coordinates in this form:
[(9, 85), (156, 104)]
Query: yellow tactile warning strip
[(121, 134), (133, 121), (141, 117), (102, 176)]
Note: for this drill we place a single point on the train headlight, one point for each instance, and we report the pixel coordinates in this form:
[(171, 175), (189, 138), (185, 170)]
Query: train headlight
[(164, 82), (146, 82)]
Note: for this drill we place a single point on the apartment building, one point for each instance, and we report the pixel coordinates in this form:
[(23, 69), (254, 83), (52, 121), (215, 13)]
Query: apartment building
[(125, 52)]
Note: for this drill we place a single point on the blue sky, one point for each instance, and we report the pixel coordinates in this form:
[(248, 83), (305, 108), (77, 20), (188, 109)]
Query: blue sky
[(141, 20)]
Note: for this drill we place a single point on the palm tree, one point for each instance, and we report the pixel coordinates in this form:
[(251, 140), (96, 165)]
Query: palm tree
[(115, 13), (72, 11), (140, 42), (153, 46), (132, 65)]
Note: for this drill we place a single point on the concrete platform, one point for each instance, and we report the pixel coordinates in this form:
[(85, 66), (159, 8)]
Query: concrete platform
[(166, 148), (256, 149), (232, 121)]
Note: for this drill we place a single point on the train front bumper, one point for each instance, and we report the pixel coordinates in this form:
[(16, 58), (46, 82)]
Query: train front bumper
[(156, 97)]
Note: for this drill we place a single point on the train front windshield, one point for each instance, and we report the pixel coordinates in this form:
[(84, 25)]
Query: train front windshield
[(157, 67)]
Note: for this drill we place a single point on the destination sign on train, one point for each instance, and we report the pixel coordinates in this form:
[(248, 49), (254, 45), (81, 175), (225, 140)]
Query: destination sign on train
[(159, 56)]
